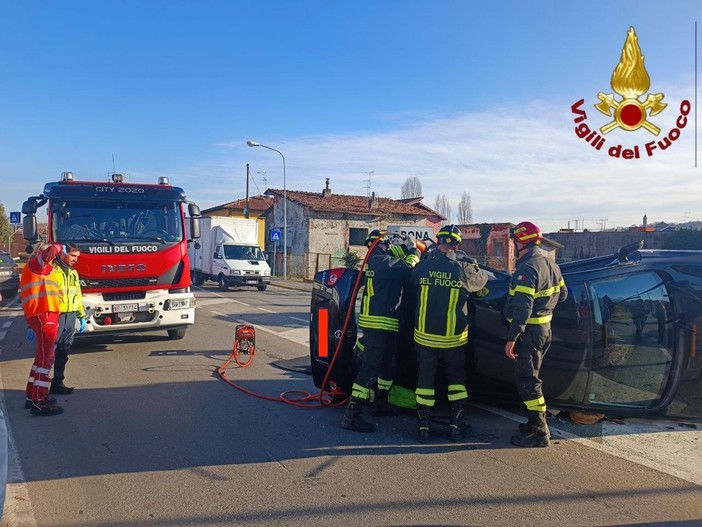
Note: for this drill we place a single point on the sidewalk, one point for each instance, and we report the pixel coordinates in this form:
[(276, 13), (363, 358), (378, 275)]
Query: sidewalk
[(297, 284)]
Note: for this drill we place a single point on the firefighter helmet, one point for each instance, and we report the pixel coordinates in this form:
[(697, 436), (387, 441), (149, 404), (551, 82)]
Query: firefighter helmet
[(526, 232), (374, 235), (449, 234)]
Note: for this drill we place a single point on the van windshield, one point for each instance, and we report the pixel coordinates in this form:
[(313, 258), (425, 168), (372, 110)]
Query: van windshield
[(242, 252)]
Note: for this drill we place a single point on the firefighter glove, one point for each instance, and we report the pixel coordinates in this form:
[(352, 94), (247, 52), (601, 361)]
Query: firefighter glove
[(398, 251), (412, 259), (30, 335), (83, 324), (483, 292)]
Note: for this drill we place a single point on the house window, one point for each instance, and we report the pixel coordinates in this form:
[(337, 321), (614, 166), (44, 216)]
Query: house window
[(357, 236), (498, 248)]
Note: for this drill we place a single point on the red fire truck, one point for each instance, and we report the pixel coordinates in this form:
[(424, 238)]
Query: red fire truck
[(134, 267)]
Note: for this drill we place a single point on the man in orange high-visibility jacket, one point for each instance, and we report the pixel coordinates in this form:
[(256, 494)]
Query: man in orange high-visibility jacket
[(41, 304)]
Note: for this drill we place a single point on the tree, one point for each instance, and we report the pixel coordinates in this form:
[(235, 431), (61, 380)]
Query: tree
[(465, 211), (412, 188), (442, 206), (5, 228)]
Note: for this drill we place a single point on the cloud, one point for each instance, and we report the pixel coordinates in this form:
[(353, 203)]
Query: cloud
[(519, 162)]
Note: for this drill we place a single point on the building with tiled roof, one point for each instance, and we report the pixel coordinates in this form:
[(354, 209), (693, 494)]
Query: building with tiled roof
[(323, 226), (257, 207)]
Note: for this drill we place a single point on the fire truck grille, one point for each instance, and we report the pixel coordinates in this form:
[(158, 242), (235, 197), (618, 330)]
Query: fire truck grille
[(119, 297), (124, 282)]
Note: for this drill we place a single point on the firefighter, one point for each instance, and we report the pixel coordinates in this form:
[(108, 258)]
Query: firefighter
[(41, 301), (387, 271), (71, 311), (535, 288), (441, 328)]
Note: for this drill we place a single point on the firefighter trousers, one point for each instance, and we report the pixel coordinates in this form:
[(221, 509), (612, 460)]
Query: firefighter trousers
[(45, 327), (378, 362), (531, 349), (453, 363)]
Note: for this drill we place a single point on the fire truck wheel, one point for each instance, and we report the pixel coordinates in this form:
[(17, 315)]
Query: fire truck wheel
[(176, 334)]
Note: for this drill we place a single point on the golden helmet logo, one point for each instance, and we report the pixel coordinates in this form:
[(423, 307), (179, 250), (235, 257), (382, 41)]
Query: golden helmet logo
[(630, 80), (629, 112)]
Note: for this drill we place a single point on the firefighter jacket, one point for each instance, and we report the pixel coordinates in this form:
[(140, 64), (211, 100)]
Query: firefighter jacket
[(69, 284), (534, 290), (385, 275), (443, 283), (38, 288)]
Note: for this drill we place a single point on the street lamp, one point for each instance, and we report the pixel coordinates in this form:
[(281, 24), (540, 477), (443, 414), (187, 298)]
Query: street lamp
[(285, 209)]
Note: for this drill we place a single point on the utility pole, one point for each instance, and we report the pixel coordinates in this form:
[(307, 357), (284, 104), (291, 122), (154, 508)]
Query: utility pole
[(246, 207)]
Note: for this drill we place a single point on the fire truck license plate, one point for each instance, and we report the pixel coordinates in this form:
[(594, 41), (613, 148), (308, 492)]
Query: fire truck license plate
[(123, 308)]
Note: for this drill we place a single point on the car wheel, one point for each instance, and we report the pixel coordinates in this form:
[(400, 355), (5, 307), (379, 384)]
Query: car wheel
[(198, 279)]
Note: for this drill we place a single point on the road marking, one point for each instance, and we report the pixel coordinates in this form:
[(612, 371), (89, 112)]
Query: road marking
[(619, 440), (303, 320), (215, 301), (18, 508), (266, 310)]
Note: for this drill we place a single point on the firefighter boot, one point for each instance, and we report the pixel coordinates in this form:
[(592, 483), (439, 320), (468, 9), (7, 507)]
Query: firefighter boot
[(535, 433), (458, 428), (353, 420), (423, 417), (541, 423), (382, 407)]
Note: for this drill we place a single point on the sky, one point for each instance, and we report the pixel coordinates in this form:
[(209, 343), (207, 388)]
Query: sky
[(467, 96)]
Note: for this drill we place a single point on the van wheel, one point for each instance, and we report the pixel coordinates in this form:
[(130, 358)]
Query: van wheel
[(261, 287), (198, 278), (176, 334), (222, 283)]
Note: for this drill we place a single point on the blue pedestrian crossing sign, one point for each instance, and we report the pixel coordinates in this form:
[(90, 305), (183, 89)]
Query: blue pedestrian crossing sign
[(15, 218), (276, 235)]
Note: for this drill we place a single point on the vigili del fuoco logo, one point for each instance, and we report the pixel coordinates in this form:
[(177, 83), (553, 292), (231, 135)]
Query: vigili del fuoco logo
[(628, 111)]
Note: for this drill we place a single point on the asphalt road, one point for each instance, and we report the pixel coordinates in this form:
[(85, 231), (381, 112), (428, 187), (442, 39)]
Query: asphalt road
[(153, 436)]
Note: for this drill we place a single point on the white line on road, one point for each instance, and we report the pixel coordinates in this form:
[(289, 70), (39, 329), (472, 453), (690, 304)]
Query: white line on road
[(622, 441), (303, 320), (18, 508)]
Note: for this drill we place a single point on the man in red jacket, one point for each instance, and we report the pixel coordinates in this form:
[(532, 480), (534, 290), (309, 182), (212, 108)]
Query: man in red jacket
[(41, 305)]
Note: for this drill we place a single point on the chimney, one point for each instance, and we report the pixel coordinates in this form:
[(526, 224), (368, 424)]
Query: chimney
[(327, 191), (372, 202)]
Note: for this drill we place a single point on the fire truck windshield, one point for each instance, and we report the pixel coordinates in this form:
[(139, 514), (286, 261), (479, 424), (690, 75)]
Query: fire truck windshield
[(115, 221)]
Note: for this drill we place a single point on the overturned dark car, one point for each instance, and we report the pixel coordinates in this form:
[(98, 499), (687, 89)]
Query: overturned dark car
[(624, 343)]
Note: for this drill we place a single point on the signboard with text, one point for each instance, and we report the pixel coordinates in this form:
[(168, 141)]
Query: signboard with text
[(416, 232)]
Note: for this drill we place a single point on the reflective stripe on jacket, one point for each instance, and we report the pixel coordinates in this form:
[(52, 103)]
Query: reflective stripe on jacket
[(69, 285), (384, 278), (534, 290), (441, 316), (39, 293)]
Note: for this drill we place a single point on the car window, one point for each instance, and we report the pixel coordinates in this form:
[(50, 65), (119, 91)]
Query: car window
[(632, 351)]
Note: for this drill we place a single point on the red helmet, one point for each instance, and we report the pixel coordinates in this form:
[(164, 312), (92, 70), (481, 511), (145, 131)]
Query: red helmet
[(526, 232)]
